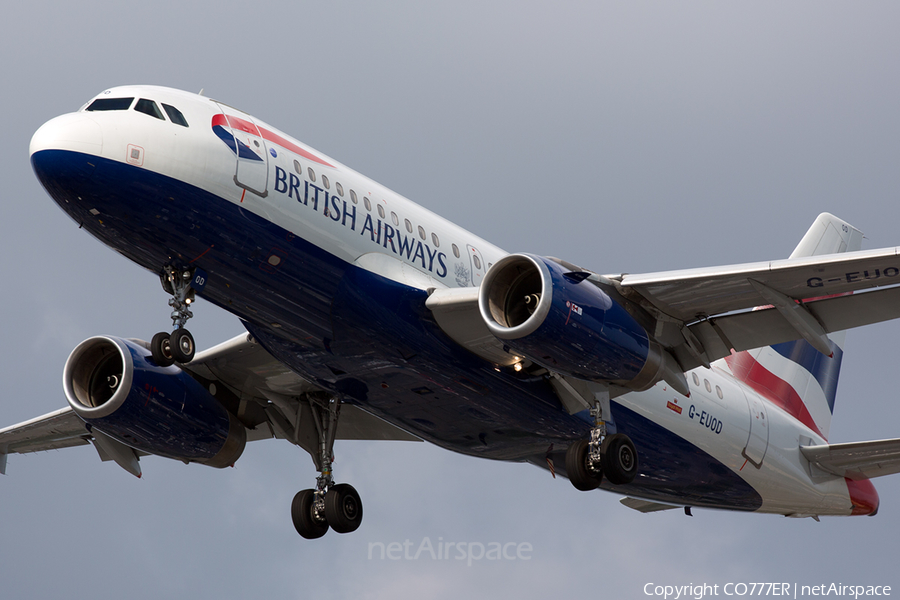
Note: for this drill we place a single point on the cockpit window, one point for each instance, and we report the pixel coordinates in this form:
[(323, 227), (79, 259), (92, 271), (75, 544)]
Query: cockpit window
[(175, 115), (110, 104), (149, 107)]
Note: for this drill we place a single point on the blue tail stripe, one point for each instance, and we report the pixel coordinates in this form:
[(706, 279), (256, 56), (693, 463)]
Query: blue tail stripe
[(826, 370)]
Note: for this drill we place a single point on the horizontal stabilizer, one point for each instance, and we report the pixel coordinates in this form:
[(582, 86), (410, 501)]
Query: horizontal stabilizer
[(645, 506), (856, 460)]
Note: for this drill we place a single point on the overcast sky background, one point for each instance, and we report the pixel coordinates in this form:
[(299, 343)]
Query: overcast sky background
[(626, 137)]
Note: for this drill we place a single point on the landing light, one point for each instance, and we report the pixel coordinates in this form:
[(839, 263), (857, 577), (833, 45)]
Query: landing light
[(517, 366)]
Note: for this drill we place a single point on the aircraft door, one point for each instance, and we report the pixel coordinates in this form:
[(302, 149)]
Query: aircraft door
[(478, 266), (251, 153), (758, 440)]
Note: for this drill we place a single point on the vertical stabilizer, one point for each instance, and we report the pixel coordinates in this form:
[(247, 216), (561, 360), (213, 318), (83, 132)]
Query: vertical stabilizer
[(794, 375)]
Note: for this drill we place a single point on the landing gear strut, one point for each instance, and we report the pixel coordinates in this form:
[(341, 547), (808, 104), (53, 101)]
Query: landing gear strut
[(328, 505), (178, 346), (612, 455)]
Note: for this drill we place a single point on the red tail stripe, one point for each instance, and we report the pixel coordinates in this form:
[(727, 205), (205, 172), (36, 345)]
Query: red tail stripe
[(771, 387)]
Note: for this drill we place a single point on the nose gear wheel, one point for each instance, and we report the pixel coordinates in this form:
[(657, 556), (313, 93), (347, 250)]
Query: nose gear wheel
[(178, 346)]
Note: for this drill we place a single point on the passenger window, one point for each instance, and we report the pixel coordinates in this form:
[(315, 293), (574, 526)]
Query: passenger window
[(421, 232), (312, 174), (175, 115), (149, 107), (477, 261), (408, 225), (298, 168), (395, 218), (339, 188), (696, 379), (435, 240), (381, 211), (353, 197), (706, 385), (110, 104), (367, 203), (455, 251), (325, 182), (719, 392)]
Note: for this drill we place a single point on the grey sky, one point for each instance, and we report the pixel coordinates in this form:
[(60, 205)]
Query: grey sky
[(627, 137)]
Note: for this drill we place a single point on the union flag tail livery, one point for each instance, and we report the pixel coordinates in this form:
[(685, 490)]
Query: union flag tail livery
[(371, 317)]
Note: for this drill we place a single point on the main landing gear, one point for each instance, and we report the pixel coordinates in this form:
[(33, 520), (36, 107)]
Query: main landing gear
[(328, 505), (612, 455), (178, 346)]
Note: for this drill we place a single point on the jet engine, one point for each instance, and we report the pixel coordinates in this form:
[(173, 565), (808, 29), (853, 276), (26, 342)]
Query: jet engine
[(114, 386), (557, 319)]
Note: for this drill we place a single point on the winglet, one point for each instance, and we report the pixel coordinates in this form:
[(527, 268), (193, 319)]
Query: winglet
[(3, 456), (828, 235)]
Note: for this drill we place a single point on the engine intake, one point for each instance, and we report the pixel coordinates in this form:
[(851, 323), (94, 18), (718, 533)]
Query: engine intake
[(114, 386)]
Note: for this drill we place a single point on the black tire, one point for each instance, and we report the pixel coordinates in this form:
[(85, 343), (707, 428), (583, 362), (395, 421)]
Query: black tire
[(302, 516), (582, 477), (182, 344), (161, 349), (343, 508), (620, 459)]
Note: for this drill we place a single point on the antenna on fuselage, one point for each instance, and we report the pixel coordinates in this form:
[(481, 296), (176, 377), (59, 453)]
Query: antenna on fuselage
[(201, 92)]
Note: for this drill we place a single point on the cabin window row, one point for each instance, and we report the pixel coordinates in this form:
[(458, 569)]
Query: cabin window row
[(707, 385), (395, 219)]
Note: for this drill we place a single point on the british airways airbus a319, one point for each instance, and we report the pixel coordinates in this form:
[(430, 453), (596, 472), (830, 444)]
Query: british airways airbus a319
[(370, 317)]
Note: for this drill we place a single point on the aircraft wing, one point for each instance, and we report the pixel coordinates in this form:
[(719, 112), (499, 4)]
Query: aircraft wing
[(759, 304), (263, 393), (856, 460), (59, 429), (697, 293)]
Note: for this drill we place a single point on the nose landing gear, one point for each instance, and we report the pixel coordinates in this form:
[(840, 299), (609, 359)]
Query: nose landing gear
[(178, 346)]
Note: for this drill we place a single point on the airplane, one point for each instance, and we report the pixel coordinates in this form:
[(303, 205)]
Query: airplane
[(369, 317)]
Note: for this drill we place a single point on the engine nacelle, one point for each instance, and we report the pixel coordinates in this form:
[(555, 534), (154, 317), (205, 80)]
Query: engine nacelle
[(570, 326), (115, 387)]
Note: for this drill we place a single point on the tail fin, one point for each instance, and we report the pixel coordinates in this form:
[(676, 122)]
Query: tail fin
[(794, 375)]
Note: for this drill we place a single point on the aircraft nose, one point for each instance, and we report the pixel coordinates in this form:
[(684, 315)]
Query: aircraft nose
[(62, 155), (76, 132)]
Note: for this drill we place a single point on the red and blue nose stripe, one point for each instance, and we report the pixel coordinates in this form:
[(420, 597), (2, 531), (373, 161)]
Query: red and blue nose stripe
[(222, 123)]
